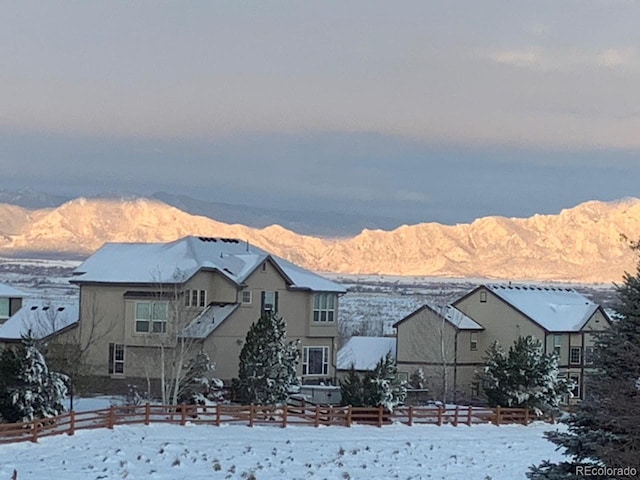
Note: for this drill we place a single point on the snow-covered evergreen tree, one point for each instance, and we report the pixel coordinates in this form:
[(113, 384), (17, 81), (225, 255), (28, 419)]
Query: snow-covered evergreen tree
[(523, 377), (604, 431), (267, 371), (378, 387), (32, 391)]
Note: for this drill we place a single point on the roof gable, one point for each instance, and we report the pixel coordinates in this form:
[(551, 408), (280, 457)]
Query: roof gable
[(449, 313), (41, 318), (176, 262)]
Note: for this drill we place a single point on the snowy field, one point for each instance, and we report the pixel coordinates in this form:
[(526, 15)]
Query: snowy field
[(163, 452)]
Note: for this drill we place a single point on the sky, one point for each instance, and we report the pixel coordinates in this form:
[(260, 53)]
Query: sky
[(421, 111)]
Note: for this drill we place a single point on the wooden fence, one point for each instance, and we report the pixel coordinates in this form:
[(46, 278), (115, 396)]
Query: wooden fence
[(252, 415)]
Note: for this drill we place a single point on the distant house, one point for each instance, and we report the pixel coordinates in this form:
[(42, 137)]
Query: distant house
[(364, 353), (212, 290), (22, 314), (455, 338)]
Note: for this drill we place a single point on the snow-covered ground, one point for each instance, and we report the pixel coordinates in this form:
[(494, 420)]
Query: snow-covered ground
[(164, 452)]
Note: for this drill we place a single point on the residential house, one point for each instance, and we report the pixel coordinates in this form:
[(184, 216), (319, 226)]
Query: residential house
[(10, 301), (565, 321), (364, 353), (205, 290), (440, 340)]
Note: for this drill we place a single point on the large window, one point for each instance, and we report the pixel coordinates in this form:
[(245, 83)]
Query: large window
[(4, 308), (315, 360), (195, 298), (151, 317), (324, 307), (269, 301), (116, 359), (575, 355)]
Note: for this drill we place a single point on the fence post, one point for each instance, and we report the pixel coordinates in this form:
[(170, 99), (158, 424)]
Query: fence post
[(439, 415), (72, 422), (217, 414), (317, 417), (455, 416), (348, 415), (526, 416), (497, 417), (147, 413), (470, 408), (380, 411), (183, 414), (36, 427), (111, 420), (411, 415), (251, 412), (284, 416)]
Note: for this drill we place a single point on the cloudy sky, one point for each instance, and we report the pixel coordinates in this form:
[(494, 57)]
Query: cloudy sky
[(424, 111)]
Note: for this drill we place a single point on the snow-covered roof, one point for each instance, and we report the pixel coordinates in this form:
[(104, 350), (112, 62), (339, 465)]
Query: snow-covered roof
[(455, 317), (555, 309), (365, 352), (176, 262), (210, 318), (41, 317), (7, 291)]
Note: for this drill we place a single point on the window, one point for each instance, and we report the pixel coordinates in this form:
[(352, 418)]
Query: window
[(475, 390), (575, 355), (575, 379), (483, 297), (474, 341), (4, 308), (324, 307), (588, 355), (116, 359), (557, 344), (151, 317), (195, 298), (246, 296), (315, 361), (269, 302)]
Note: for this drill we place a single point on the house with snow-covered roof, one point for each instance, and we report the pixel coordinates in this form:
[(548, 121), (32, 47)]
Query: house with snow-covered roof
[(212, 290), (40, 319), (10, 301), (565, 321), (364, 353)]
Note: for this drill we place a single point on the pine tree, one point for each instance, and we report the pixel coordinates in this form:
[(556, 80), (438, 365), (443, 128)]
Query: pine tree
[(31, 391), (524, 377), (379, 387), (267, 371), (197, 384), (417, 381), (604, 431)]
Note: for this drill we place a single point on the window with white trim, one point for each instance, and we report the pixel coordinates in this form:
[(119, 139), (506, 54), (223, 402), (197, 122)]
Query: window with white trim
[(575, 379), (195, 298), (269, 301), (575, 355), (474, 341), (315, 360), (324, 307), (116, 359), (151, 317), (4, 308), (246, 296), (557, 344)]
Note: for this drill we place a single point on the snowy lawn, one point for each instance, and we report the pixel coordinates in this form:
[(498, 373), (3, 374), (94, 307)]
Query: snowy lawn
[(163, 452)]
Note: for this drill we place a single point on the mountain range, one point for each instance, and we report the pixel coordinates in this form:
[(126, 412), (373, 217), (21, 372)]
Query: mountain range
[(580, 244)]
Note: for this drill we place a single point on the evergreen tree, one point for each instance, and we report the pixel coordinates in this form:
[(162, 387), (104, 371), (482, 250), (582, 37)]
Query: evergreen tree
[(378, 387), (417, 381), (29, 390), (197, 384), (267, 371), (604, 431), (524, 377)]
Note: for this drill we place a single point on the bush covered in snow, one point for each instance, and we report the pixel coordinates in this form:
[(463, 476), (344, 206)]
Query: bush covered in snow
[(523, 377), (28, 390)]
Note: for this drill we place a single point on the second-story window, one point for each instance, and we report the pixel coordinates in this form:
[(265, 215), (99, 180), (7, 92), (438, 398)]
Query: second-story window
[(557, 345), (4, 308), (588, 355), (324, 307), (151, 317), (474, 341), (269, 301), (246, 296), (195, 298), (575, 355)]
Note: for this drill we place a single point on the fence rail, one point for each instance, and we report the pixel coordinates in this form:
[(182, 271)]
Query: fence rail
[(251, 415)]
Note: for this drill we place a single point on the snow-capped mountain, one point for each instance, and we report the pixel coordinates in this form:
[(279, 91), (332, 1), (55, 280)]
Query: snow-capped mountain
[(583, 243)]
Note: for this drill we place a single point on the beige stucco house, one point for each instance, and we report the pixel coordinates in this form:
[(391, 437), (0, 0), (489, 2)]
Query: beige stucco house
[(565, 321), (139, 299)]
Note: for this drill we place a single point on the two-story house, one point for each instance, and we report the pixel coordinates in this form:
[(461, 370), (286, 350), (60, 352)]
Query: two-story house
[(10, 301), (565, 321), (138, 298)]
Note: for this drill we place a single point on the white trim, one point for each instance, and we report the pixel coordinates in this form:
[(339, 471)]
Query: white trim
[(306, 364)]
